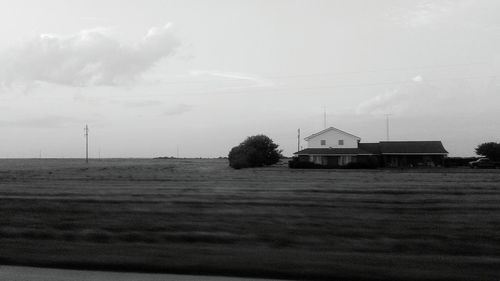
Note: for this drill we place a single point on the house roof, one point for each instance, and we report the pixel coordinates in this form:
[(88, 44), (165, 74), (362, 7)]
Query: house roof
[(370, 147), (412, 147), (327, 130), (383, 147), (332, 151), (404, 147)]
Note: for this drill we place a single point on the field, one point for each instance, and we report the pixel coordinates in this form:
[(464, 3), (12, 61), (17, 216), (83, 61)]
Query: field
[(198, 216)]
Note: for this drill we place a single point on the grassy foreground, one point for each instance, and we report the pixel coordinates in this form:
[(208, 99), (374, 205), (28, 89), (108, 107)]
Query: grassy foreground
[(200, 216)]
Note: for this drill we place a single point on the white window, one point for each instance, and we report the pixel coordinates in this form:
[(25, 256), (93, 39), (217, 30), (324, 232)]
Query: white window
[(323, 142), (345, 159), (341, 142), (317, 159)]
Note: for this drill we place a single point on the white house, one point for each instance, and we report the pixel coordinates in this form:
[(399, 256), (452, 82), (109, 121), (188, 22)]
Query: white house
[(332, 138), (342, 145)]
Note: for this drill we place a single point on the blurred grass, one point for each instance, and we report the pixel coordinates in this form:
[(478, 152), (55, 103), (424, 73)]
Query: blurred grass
[(200, 216)]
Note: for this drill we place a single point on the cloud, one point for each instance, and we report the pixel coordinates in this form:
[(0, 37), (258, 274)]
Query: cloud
[(259, 81), (423, 13), (88, 58), (417, 79), (51, 121), (137, 103), (93, 19), (178, 109), (390, 102), (415, 99), (454, 14)]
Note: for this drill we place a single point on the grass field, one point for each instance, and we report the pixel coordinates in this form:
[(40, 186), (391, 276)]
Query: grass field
[(200, 216)]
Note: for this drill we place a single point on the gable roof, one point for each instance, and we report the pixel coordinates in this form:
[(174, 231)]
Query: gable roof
[(333, 151), (404, 147), (327, 130)]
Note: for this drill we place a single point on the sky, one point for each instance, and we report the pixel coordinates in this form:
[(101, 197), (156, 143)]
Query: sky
[(195, 78)]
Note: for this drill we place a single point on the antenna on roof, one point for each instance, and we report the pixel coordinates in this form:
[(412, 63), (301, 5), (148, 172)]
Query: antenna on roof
[(324, 117), (387, 125), (86, 130), (298, 139)]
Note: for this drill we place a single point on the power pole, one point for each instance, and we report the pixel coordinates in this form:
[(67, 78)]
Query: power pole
[(86, 130)]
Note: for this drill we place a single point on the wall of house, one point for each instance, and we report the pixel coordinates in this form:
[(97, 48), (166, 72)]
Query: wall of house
[(331, 139)]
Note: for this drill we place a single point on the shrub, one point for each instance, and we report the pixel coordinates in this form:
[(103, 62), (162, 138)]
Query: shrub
[(490, 150), (255, 151), (237, 158)]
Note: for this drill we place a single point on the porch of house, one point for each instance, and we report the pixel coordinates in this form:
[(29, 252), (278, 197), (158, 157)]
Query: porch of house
[(422, 160), (335, 161), (329, 161)]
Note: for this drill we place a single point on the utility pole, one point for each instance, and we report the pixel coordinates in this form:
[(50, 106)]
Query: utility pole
[(387, 125), (298, 140), (86, 130)]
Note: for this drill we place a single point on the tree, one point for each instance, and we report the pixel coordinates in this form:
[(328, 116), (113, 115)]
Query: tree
[(255, 151), (490, 150)]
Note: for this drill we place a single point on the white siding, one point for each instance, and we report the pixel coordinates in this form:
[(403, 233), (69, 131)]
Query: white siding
[(331, 138)]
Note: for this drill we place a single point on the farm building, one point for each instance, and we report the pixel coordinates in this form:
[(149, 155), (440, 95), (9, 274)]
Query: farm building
[(335, 148)]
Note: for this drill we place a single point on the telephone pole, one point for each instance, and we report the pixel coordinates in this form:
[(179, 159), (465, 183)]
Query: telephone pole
[(86, 130)]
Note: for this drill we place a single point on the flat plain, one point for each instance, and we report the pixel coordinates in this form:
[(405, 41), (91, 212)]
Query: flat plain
[(198, 216)]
